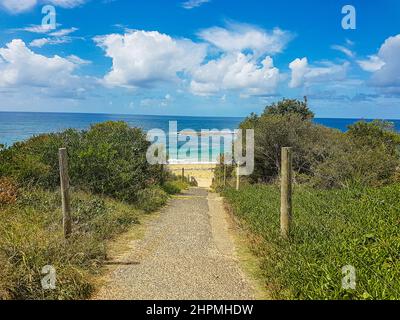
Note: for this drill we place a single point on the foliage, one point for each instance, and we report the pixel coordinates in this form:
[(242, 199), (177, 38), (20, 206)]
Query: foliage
[(151, 199), (332, 228), (8, 191), (290, 106), (108, 159), (175, 186), (368, 153)]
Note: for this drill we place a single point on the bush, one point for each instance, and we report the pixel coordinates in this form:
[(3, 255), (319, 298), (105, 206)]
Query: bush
[(367, 154), (174, 186), (8, 191), (109, 159), (151, 199), (290, 106), (272, 132)]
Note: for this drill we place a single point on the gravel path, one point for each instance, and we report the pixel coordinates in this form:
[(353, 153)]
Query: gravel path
[(186, 253)]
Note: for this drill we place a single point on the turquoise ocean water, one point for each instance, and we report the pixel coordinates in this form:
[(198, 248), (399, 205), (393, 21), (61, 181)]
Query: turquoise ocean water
[(19, 126)]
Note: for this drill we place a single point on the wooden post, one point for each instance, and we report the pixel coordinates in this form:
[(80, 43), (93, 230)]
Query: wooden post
[(286, 191), (238, 176), (162, 174), (64, 179), (224, 175), (183, 174)]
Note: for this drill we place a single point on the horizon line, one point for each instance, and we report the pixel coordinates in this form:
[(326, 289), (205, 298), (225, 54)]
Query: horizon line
[(191, 116)]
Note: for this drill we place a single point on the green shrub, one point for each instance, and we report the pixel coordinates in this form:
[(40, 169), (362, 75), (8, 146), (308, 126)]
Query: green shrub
[(368, 154), (151, 199), (174, 186), (109, 159)]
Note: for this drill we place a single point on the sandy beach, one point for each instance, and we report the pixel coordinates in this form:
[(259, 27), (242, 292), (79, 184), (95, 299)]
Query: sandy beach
[(203, 173)]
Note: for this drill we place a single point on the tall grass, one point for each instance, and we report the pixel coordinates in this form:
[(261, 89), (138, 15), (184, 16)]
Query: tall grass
[(331, 229)]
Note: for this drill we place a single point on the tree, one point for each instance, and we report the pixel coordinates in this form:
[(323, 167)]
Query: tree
[(289, 106)]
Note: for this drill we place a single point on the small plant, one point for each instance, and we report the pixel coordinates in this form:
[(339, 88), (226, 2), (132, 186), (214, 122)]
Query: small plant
[(8, 191), (151, 199)]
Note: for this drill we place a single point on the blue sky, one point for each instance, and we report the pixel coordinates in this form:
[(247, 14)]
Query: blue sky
[(199, 57)]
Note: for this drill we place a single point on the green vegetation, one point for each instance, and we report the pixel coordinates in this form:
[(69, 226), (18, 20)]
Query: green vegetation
[(112, 186), (108, 159), (367, 153), (31, 237), (346, 209), (332, 229)]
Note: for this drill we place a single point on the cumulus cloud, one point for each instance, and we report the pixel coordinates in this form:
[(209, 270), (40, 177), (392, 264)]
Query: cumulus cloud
[(191, 4), (237, 37), (146, 58), (385, 65), (142, 58), (20, 68), (236, 72), (18, 6), (304, 74)]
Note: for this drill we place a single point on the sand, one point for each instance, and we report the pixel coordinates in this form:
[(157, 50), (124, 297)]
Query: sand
[(203, 173)]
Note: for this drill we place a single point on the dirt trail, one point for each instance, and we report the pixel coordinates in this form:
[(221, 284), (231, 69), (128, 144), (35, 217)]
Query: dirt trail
[(187, 253)]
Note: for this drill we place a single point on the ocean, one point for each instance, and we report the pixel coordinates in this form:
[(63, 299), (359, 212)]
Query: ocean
[(19, 126)]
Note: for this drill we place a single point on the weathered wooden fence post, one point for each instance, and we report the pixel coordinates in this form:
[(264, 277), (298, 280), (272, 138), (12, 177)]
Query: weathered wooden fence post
[(183, 174), (162, 174), (224, 175), (64, 179), (238, 176), (286, 191)]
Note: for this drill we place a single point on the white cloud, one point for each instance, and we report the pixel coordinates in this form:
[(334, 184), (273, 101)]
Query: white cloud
[(35, 28), (77, 61), (21, 68), (191, 4), (142, 58), (56, 37), (385, 65), (63, 32), (372, 64), (239, 37), (38, 43), (19, 6), (151, 102), (66, 3), (344, 50), (304, 74), (236, 72)]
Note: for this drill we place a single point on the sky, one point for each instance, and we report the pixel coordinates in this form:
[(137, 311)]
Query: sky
[(200, 57)]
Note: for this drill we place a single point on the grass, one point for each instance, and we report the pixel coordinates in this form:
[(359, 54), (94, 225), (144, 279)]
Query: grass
[(331, 229), (31, 237)]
